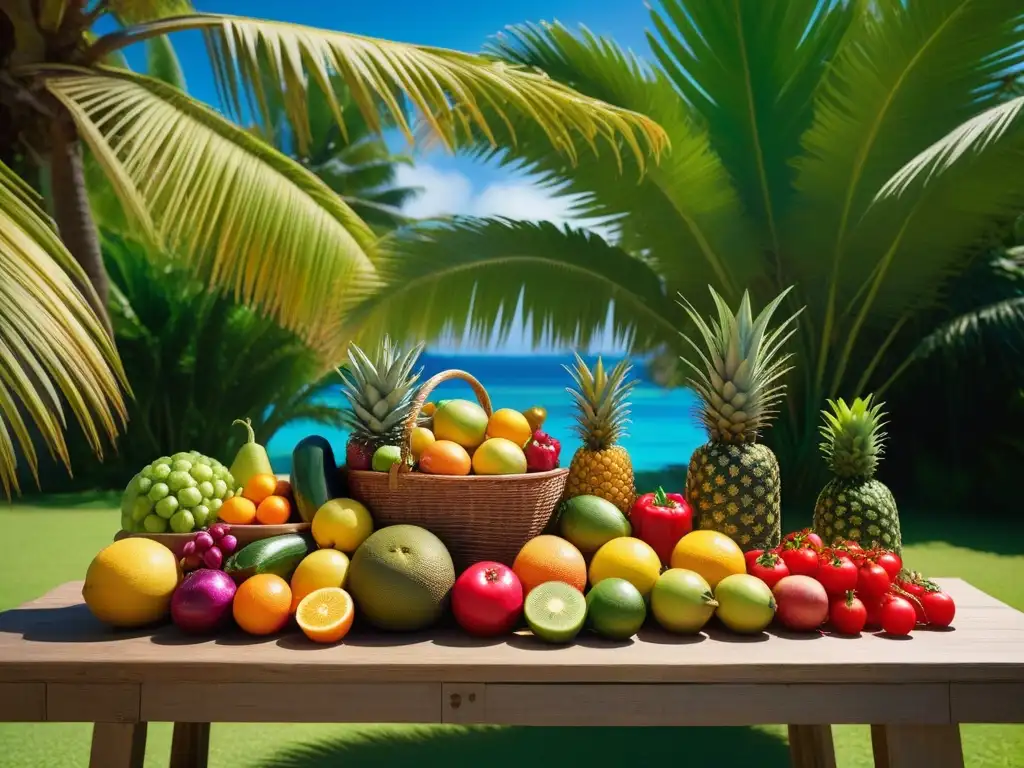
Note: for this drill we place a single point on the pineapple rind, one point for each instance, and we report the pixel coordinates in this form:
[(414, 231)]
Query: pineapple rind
[(607, 474), (858, 510), (735, 489)]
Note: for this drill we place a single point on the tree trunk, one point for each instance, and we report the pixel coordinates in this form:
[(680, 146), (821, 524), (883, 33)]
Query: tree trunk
[(74, 219)]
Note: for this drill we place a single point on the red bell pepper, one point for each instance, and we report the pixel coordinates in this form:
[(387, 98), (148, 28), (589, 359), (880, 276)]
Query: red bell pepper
[(542, 452), (661, 519)]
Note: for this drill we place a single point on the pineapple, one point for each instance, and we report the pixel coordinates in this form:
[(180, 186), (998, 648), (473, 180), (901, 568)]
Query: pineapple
[(854, 505), (600, 467), (732, 481), (381, 393)]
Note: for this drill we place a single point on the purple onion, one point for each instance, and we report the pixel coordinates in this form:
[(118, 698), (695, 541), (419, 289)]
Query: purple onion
[(228, 544), (203, 541), (202, 602), (212, 558)]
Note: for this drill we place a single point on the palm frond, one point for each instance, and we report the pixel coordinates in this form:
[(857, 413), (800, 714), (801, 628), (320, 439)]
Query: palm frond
[(51, 14), (139, 11), (241, 214), (466, 278), (434, 80), (52, 347), (162, 62)]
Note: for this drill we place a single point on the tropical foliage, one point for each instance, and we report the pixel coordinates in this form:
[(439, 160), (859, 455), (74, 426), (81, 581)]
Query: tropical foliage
[(786, 120), (236, 212)]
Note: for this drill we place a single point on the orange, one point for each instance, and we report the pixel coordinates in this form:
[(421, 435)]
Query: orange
[(325, 614), (550, 558), (262, 604), (274, 510), (711, 554), (511, 425), (259, 487), (445, 458), (237, 511)]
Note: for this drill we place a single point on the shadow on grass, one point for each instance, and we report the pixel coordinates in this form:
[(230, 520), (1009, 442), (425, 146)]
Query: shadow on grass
[(78, 500), (513, 747)]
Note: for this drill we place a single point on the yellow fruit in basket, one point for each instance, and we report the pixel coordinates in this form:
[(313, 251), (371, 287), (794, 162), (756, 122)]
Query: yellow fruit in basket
[(711, 554), (342, 524), (498, 456), (319, 569), (626, 558), (130, 583), (461, 421), (444, 457), (421, 438), (512, 425)]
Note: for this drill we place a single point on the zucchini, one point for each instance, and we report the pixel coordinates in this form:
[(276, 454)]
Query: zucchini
[(315, 478), (279, 555)]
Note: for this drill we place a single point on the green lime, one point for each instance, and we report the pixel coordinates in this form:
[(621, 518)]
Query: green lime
[(682, 601), (385, 456), (615, 609)]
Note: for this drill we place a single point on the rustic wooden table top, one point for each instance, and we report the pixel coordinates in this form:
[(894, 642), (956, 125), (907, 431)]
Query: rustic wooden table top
[(56, 640)]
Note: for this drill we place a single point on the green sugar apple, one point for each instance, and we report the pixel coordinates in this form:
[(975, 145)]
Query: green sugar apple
[(179, 493)]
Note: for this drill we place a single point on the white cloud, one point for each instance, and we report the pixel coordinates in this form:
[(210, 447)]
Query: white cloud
[(443, 192)]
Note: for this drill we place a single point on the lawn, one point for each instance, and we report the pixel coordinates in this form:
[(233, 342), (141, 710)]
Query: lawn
[(54, 541)]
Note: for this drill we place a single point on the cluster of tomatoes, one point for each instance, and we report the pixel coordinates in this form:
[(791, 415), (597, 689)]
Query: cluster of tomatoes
[(867, 588)]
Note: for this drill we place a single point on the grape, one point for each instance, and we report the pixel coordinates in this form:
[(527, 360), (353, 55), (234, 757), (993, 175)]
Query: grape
[(204, 461), (161, 471), (221, 473), (182, 521), (162, 460), (182, 465), (189, 497), (146, 473), (178, 480), (145, 484), (189, 548), (202, 473), (228, 544), (220, 488), (192, 562), (203, 541), (214, 504), (166, 507), (133, 486), (155, 524), (141, 507), (218, 531), (201, 515), (180, 456), (213, 558), (206, 488)]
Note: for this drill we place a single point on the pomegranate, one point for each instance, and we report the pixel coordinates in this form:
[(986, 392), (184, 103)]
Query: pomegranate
[(802, 603), (487, 599)]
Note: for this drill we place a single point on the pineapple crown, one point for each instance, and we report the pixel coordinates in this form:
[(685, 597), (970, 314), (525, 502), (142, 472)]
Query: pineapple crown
[(602, 410), (854, 440), (738, 383), (380, 391)]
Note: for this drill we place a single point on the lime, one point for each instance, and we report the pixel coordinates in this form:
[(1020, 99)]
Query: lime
[(615, 609), (745, 604), (385, 456), (681, 601)]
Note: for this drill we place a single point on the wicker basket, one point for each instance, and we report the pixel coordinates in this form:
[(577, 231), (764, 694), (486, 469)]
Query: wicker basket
[(478, 517)]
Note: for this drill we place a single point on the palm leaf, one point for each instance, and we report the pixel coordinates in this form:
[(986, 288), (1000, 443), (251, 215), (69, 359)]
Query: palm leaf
[(52, 347), (162, 62), (466, 277), (138, 11), (434, 80), (241, 214)]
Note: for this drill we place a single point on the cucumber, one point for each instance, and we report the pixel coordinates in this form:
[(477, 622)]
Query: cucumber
[(279, 555), (315, 479)]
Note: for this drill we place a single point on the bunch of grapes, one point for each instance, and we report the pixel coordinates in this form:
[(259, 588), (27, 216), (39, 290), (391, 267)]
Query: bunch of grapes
[(208, 548)]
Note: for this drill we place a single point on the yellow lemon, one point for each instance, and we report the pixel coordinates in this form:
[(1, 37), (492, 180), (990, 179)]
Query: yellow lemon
[(626, 558), (421, 438), (323, 568), (511, 425), (711, 554), (342, 524), (130, 583)]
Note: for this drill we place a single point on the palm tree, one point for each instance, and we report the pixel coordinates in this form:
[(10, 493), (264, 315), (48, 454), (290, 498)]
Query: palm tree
[(785, 118), (237, 212)]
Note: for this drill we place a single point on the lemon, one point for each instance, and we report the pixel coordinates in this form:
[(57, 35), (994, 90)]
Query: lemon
[(421, 438), (130, 583), (626, 558), (711, 554), (342, 524), (323, 568)]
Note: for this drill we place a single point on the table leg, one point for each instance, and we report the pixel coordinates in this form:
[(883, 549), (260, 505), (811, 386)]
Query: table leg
[(917, 746), (118, 745), (190, 745), (810, 746)]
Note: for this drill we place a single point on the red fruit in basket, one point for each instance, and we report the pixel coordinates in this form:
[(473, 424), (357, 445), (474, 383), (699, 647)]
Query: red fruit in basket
[(898, 617), (872, 580), (487, 599), (939, 608), (769, 568), (891, 562), (358, 455), (837, 576), (801, 603), (751, 556), (541, 452), (801, 562), (847, 614)]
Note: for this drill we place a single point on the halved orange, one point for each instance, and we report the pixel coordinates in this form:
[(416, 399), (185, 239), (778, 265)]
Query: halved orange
[(325, 615)]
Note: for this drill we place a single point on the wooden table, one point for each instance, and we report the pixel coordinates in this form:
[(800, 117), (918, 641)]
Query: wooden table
[(59, 664)]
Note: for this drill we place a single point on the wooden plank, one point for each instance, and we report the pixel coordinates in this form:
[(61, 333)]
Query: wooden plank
[(190, 745), (666, 704), (463, 703), (292, 703), (118, 745), (918, 746), (22, 702), (810, 746), (987, 702), (92, 703)]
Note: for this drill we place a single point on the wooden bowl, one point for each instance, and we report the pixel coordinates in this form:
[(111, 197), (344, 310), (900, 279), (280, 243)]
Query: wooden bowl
[(246, 534)]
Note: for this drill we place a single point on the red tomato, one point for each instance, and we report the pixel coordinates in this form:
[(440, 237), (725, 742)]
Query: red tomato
[(814, 540), (769, 568), (898, 617), (487, 599), (801, 562), (837, 576), (853, 548), (872, 580), (910, 586), (848, 614), (892, 563), (804, 538), (751, 556), (939, 608), (873, 609)]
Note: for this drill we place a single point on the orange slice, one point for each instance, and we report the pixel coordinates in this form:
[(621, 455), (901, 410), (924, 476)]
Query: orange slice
[(325, 614)]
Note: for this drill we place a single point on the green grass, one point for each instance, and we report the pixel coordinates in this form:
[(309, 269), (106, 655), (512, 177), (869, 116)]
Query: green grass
[(51, 543)]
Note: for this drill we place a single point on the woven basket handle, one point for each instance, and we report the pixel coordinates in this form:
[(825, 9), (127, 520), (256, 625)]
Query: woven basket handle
[(417, 405)]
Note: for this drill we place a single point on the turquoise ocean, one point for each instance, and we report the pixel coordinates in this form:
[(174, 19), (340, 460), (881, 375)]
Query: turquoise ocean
[(663, 431)]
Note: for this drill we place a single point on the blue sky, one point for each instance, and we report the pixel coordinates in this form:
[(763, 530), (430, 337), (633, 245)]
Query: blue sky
[(451, 184)]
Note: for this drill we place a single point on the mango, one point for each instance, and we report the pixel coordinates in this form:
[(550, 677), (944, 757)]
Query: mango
[(498, 456), (460, 421)]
